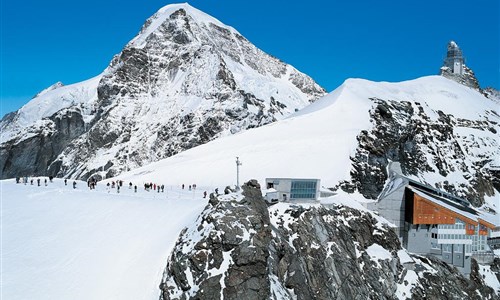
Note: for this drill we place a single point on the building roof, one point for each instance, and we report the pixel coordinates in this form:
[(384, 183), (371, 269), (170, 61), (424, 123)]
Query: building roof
[(466, 211)]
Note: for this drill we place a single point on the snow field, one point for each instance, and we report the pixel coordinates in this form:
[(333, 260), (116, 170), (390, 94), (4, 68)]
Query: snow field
[(65, 243)]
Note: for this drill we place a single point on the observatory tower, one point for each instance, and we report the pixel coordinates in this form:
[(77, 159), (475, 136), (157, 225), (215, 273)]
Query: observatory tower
[(455, 69), (454, 59)]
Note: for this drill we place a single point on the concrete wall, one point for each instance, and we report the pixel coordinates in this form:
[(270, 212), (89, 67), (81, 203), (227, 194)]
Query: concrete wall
[(458, 255), (447, 254), (282, 187), (392, 207), (419, 239)]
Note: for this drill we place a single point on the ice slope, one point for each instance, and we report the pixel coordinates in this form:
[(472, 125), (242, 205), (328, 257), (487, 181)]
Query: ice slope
[(318, 140), (60, 243)]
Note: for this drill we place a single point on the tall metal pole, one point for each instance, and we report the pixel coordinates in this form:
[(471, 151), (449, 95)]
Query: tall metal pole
[(238, 164)]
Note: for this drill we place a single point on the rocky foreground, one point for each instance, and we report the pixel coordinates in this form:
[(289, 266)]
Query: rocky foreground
[(239, 248)]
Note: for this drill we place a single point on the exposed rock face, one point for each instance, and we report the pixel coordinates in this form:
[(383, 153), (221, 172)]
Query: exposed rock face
[(492, 94), (184, 80), (242, 250), (405, 132), (33, 154), (468, 78)]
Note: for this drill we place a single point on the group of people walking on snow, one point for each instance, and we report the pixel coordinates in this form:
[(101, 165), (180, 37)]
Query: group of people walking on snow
[(31, 180), (92, 183)]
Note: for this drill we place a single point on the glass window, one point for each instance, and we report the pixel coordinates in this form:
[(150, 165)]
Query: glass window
[(303, 190)]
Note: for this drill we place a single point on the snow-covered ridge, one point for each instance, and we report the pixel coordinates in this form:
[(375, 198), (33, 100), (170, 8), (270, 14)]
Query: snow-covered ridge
[(318, 141), (51, 100), (50, 88), (438, 92)]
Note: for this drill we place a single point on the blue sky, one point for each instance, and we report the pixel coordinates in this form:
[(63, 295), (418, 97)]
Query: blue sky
[(43, 42)]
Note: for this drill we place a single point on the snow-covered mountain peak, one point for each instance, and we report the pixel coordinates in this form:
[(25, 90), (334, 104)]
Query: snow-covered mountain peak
[(172, 11), (185, 79)]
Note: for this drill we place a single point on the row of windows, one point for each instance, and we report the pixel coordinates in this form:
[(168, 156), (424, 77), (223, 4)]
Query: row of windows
[(461, 225), (445, 236), (458, 225)]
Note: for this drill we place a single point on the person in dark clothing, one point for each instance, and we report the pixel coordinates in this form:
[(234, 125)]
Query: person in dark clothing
[(135, 188), (162, 188), (50, 178), (130, 185), (183, 186), (31, 181), (74, 184), (45, 181), (38, 181), (217, 191), (205, 194)]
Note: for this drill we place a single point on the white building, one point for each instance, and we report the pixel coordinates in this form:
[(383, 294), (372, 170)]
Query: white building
[(292, 189)]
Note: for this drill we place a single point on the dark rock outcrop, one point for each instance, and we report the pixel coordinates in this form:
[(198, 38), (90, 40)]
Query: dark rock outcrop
[(34, 154), (241, 249), (405, 133)]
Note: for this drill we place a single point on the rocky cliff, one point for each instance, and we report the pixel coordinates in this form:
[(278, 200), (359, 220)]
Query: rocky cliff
[(184, 80), (426, 143), (241, 249)]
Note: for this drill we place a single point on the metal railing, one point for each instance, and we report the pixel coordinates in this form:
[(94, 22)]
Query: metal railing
[(484, 258)]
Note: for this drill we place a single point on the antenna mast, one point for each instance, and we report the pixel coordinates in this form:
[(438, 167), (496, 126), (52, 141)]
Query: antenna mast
[(238, 164)]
